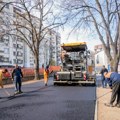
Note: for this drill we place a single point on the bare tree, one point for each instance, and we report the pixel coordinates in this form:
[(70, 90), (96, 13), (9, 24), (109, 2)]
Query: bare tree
[(104, 15), (32, 23), (3, 5)]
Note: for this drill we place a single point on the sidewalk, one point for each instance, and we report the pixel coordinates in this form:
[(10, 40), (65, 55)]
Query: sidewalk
[(104, 112)]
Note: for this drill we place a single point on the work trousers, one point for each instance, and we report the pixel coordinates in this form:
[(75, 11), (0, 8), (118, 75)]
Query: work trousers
[(18, 83), (104, 82), (115, 93), (1, 84)]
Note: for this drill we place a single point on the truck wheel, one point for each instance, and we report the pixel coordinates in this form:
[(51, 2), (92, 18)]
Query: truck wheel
[(55, 84), (94, 84)]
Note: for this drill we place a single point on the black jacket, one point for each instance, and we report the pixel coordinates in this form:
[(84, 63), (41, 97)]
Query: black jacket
[(17, 72), (103, 71)]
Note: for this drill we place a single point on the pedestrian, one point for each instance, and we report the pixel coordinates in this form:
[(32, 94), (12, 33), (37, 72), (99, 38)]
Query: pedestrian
[(114, 82), (104, 82), (16, 77), (2, 72), (46, 75)]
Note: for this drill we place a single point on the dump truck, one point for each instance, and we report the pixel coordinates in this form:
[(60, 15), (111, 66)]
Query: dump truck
[(74, 67)]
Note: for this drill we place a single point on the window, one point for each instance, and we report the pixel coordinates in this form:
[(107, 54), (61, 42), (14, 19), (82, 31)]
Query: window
[(19, 39), (14, 53), (14, 61), (6, 59), (97, 60), (19, 61), (6, 50), (92, 61), (14, 45), (19, 53), (1, 58), (19, 46), (7, 6)]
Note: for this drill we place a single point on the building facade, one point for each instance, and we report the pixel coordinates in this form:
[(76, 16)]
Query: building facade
[(13, 50), (101, 59)]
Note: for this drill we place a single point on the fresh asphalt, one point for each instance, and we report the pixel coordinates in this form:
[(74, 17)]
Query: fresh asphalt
[(39, 102)]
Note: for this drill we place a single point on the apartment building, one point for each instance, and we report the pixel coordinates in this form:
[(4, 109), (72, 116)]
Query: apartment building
[(6, 52), (98, 48), (55, 48), (49, 48), (13, 50), (101, 58)]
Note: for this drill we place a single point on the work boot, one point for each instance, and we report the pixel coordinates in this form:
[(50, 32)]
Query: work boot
[(20, 92), (118, 105), (16, 92), (109, 105), (45, 84)]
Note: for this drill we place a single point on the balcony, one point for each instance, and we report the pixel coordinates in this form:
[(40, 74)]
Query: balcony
[(19, 61), (5, 60), (1, 58), (18, 46), (18, 54), (1, 49)]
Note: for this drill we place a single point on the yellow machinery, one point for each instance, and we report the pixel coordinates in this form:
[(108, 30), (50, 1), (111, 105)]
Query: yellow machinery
[(74, 65)]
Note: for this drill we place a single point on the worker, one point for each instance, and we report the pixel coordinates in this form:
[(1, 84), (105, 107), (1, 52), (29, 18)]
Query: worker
[(114, 82), (46, 75), (2, 72), (16, 76), (104, 83)]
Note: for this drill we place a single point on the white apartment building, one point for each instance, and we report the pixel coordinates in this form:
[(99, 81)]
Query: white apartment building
[(49, 49), (13, 50), (101, 59), (55, 48), (6, 44)]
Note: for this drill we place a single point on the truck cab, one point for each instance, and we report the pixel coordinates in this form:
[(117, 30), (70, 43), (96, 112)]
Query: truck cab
[(74, 67)]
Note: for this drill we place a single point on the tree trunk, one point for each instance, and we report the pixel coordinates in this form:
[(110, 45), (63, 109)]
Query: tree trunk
[(114, 64), (113, 61), (36, 70)]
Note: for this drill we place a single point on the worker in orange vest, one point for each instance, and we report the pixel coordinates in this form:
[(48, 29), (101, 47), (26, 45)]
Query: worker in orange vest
[(46, 75), (2, 72)]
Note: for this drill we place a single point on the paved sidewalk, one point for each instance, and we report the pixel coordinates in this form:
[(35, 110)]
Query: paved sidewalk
[(104, 112)]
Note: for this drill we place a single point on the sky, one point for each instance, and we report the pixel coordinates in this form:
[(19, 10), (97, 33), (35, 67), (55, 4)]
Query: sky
[(79, 36)]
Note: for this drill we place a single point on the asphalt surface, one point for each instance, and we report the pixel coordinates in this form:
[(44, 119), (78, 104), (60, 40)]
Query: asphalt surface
[(39, 102)]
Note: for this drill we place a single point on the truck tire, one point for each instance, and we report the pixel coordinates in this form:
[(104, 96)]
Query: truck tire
[(55, 84)]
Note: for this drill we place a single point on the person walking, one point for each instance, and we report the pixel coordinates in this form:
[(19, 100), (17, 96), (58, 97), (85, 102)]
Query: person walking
[(114, 82), (2, 72), (16, 76), (104, 82), (46, 75)]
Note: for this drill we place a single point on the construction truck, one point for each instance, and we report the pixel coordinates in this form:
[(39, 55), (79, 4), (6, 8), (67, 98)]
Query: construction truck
[(74, 67)]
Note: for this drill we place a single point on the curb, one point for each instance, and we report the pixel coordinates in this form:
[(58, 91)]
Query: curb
[(96, 107), (96, 111)]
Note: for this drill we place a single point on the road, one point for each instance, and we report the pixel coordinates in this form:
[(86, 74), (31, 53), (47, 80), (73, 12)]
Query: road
[(39, 102)]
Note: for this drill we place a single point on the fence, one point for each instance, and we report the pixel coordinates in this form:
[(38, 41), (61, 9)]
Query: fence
[(28, 73)]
